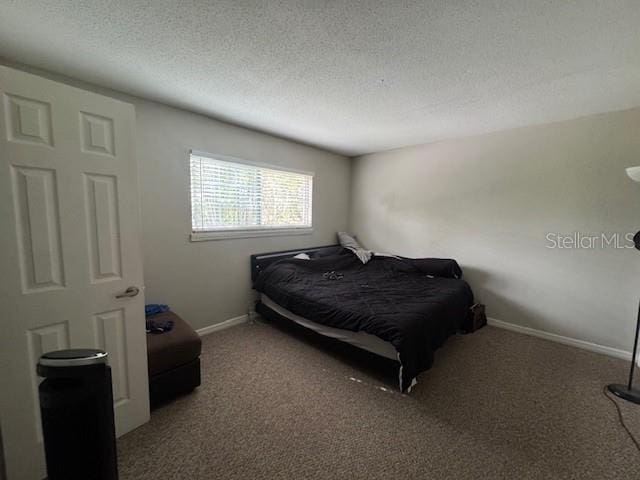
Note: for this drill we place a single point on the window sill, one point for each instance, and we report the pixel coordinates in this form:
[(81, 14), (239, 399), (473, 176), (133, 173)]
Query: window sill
[(226, 235)]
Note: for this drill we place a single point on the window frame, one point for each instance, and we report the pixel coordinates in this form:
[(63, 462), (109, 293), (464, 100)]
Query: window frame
[(252, 232)]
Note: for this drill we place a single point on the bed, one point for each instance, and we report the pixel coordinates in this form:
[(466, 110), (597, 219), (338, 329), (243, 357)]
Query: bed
[(399, 308)]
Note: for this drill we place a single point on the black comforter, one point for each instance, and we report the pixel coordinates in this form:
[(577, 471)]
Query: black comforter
[(399, 300)]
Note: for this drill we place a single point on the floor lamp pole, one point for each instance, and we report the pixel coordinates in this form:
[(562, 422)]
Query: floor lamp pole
[(635, 350), (627, 392)]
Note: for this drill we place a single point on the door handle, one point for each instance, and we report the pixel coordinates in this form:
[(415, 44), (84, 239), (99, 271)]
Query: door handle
[(129, 292)]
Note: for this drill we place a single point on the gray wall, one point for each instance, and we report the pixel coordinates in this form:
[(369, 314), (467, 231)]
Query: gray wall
[(209, 282), (489, 201)]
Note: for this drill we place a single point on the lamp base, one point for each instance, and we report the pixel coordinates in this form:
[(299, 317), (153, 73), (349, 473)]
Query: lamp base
[(622, 391)]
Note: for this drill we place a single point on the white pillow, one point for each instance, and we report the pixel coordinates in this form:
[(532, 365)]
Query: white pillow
[(302, 256), (350, 243)]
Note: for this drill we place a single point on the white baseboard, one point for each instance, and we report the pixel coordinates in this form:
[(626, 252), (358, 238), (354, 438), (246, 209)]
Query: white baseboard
[(216, 327), (574, 342)]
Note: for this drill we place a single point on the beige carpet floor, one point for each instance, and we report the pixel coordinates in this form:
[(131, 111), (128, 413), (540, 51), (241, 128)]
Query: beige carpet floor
[(277, 404)]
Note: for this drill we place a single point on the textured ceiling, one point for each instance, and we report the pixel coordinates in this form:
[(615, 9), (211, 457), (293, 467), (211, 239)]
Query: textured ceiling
[(349, 76)]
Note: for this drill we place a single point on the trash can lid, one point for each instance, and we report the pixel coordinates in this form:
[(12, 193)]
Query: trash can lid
[(73, 357)]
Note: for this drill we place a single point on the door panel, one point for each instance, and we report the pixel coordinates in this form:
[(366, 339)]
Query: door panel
[(35, 194), (28, 120), (101, 205), (69, 233)]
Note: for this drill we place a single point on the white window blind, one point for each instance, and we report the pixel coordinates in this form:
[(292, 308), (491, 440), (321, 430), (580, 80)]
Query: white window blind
[(230, 196)]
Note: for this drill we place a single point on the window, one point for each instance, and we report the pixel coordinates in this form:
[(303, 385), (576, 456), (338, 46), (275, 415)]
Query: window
[(231, 198)]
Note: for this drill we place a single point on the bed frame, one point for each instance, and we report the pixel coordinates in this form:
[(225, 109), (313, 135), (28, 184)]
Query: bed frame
[(355, 351), (260, 261)]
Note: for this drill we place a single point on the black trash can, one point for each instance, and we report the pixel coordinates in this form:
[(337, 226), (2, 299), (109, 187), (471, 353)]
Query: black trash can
[(76, 403)]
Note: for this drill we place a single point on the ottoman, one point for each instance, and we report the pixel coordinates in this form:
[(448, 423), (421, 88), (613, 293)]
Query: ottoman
[(173, 358)]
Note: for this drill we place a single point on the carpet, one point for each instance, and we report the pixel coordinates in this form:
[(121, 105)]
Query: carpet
[(278, 403)]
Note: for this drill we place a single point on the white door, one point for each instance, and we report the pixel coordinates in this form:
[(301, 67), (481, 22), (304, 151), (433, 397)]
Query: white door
[(69, 243)]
